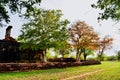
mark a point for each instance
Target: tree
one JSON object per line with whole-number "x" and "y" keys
{"x": 111, "y": 9}
{"x": 63, "y": 48}
{"x": 82, "y": 37}
{"x": 87, "y": 52}
{"x": 15, "y": 6}
{"x": 119, "y": 55}
{"x": 89, "y": 43}
{"x": 44, "y": 30}
{"x": 104, "y": 44}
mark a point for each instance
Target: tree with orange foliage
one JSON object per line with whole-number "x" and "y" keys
{"x": 82, "y": 37}
{"x": 89, "y": 43}
{"x": 104, "y": 44}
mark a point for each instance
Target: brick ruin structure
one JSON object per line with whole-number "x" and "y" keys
{"x": 8, "y": 34}
{"x": 10, "y": 51}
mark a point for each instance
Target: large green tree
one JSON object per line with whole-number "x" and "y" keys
{"x": 110, "y": 9}
{"x": 15, "y": 6}
{"x": 44, "y": 30}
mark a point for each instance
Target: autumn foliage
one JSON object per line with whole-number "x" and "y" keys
{"x": 104, "y": 44}
{"x": 83, "y": 37}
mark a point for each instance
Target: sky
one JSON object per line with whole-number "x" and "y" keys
{"x": 74, "y": 10}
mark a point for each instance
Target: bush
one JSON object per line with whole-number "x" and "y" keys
{"x": 111, "y": 58}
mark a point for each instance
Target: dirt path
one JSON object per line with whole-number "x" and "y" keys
{"x": 82, "y": 75}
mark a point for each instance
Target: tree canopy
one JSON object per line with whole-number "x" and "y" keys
{"x": 82, "y": 37}
{"x": 45, "y": 29}
{"x": 104, "y": 44}
{"x": 110, "y": 8}
{"x": 15, "y": 6}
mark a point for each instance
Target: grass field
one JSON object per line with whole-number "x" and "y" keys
{"x": 104, "y": 71}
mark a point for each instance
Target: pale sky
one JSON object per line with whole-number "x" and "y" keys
{"x": 74, "y": 10}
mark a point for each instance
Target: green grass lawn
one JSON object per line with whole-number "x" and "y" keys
{"x": 110, "y": 71}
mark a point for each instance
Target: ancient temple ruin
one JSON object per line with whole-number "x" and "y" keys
{"x": 10, "y": 51}
{"x": 8, "y": 34}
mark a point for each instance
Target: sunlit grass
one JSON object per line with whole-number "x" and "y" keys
{"x": 110, "y": 70}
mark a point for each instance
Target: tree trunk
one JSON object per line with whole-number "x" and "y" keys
{"x": 99, "y": 57}
{"x": 100, "y": 53}
{"x": 44, "y": 56}
{"x": 85, "y": 55}
{"x": 77, "y": 55}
